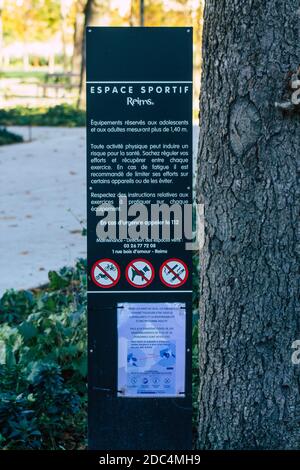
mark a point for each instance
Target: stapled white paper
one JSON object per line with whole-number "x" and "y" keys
{"x": 151, "y": 349}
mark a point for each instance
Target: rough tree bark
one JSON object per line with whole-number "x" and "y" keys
{"x": 248, "y": 154}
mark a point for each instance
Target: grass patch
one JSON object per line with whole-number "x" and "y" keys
{"x": 23, "y": 74}
{"x": 63, "y": 115}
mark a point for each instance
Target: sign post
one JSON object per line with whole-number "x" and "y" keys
{"x": 139, "y": 197}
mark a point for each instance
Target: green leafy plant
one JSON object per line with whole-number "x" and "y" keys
{"x": 19, "y": 427}
{"x": 7, "y": 137}
{"x": 43, "y": 364}
{"x": 15, "y": 306}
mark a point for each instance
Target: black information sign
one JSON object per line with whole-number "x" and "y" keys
{"x": 139, "y": 196}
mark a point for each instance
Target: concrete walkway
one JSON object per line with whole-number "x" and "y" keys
{"x": 42, "y": 201}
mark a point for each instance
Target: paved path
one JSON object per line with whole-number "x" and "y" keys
{"x": 42, "y": 200}
{"x": 40, "y": 182}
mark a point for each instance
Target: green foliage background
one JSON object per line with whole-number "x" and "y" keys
{"x": 60, "y": 115}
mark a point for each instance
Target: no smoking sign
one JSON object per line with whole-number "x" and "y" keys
{"x": 105, "y": 273}
{"x": 139, "y": 273}
{"x": 173, "y": 273}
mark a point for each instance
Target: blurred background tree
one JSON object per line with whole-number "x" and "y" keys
{"x": 42, "y": 59}
{"x": 30, "y": 20}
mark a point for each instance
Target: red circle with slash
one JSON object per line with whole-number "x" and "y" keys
{"x": 173, "y": 273}
{"x": 139, "y": 273}
{"x": 105, "y": 273}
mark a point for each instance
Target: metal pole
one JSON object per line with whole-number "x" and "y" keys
{"x": 142, "y": 12}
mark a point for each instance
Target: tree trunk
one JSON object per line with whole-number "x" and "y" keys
{"x": 93, "y": 12}
{"x": 77, "y": 40}
{"x": 64, "y": 44}
{"x": 249, "y": 312}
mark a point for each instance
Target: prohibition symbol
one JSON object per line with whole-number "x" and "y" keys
{"x": 139, "y": 273}
{"x": 105, "y": 273}
{"x": 173, "y": 272}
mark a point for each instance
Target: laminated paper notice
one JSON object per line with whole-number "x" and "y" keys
{"x": 151, "y": 349}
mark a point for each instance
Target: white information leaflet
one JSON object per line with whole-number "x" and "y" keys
{"x": 151, "y": 349}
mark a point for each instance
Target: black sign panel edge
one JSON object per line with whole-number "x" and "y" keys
{"x": 143, "y": 423}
